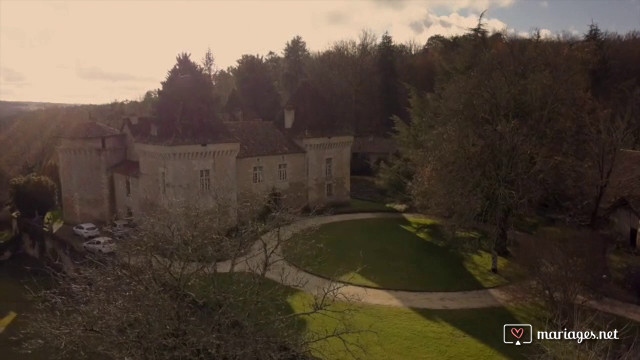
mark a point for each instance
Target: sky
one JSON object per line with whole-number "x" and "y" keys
{"x": 100, "y": 51}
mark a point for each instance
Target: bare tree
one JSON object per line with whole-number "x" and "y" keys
{"x": 608, "y": 130}
{"x": 164, "y": 297}
{"x": 566, "y": 267}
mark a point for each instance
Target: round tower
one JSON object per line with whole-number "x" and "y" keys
{"x": 86, "y": 152}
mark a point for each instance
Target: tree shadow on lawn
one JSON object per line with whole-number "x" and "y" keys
{"x": 393, "y": 254}
{"x": 465, "y": 329}
{"x": 411, "y": 255}
{"x": 251, "y": 296}
{"x": 484, "y": 325}
{"x": 447, "y": 257}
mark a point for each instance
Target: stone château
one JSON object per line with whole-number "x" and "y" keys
{"x": 107, "y": 173}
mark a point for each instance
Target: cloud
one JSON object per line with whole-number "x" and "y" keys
{"x": 391, "y": 4}
{"x": 452, "y": 5}
{"x": 4, "y": 92}
{"x": 546, "y": 34}
{"x": 95, "y": 73}
{"x": 544, "y": 4}
{"x": 337, "y": 18}
{"x": 100, "y": 69}
{"x": 452, "y": 24}
{"x": 11, "y": 76}
{"x": 417, "y": 27}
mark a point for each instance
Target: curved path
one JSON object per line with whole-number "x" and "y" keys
{"x": 279, "y": 270}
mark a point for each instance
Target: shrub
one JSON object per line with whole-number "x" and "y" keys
{"x": 33, "y": 194}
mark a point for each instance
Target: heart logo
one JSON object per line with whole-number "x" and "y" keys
{"x": 517, "y": 332}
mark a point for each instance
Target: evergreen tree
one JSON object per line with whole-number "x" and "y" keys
{"x": 389, "y": 84}
{"x": 208, "y": 64}
{"x": 185, "y": 102}
{"x": 256, "y": 88}
{"x": 295, "y": 56}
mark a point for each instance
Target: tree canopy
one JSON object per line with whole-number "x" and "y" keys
{"x": 33, "y": 194}
{"x": 295, "y": 56}
{"x": 256, "y": 87}
{"x": 185, "y": 101}
{"x": 505, "y": 130}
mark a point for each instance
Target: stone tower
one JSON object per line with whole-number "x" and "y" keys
{"x": 85, "y": 155}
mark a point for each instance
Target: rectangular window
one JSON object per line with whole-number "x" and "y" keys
{"x": 205, "y": 180}
{"x": 282, "y": 172}
{"x": 328, "y": 169}
{"x": 127, "y": 186}
{"x": 163, "y": 182}
{"x": 329, "y": 190}
{"x": 257, "y": 174}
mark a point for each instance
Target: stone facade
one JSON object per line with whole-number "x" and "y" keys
{"x": 328, "y": 169}
{"x": 107, "y": 173}
{"x": 283, "y": 176}
{"x": 86, "y": 182}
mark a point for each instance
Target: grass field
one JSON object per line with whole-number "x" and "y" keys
{"x": 382, "y": 332}
{"x": 393, "y": 254}
{"x": 397, "y": 333}
{"x": 357, "y": 205}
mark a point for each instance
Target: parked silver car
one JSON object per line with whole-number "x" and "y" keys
{"x": 86, "y": 230}
{"x": 100, "y": 245}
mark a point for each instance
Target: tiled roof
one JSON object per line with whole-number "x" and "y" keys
{"x": 127, "y": 167}
{"x": 89, "y": 129}
{"x": 141, "y": 129}
{"x": 139, "y": 126}
{"x": 374, "y": 144}
{"x": 624, "y": 182}
{"x": 259, "y": 138}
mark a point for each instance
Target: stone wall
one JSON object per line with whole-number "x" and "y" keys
{"x": 125, "y": 203}
{"x": 84, "y": 177}
{"x": 182, "y": 178}
{"x": 170, "y": 174}
{"x": 338, "y": 149}
{"x": 252, "y": 196}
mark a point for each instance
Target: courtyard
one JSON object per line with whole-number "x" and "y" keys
{"x": 393, "y": 253}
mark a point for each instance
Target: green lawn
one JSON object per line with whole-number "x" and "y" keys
{"x": 382, "y": 332}
{"x": 622, "y": 262}
{"x": 357, "y": 205}
{"x": 393, "y": 254}
{"x": 397, "y": 333}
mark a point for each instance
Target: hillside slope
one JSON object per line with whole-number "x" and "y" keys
{"x": 28, "y": 139}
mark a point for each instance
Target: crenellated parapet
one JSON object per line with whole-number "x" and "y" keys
{"x": 329, "y": 145}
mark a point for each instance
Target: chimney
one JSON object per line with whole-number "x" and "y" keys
{"x": 289, "y": 117}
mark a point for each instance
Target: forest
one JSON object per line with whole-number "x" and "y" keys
{"x": 493, "y": 131}
{"x": 575, "y": 96}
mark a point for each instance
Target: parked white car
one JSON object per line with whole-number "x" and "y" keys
{"x": 86, "y": 230}
{"x": 100, "y": 245}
